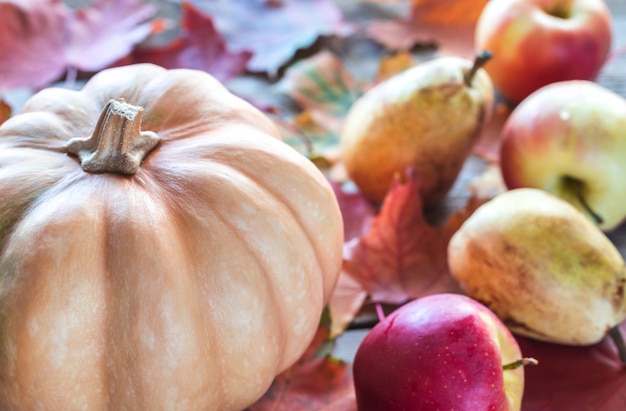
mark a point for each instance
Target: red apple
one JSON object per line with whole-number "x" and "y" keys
{"x": 538, "y": 42}
{"x": 440, "y": 352}
{"x": 568, "y": 139}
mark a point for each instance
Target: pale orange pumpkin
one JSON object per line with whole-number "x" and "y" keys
{"x": 177, "y": 268}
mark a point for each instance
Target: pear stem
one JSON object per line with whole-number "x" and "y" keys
{"x": 618, "y": 340}
{"x": 596, "y": 217}
{"x": 479, "y": 61}
{"x": 519, "y": 363}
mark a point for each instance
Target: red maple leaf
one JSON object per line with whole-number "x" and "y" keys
{"x": 402, "y": 256}
{"x": 199, "y": 47}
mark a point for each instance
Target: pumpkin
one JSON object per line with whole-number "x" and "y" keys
{"x": 160, "y": 247}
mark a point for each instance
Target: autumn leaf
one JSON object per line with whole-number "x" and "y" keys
{"x": 31, "y": 50}
{"x": 402, "y": 256}
{"x": 574, "y": 378}
{"x": 274, "y": 30}
{"x": 41, "y": 39}
{"x": 320, "y": 84}
{"x": 356, "y": 211}
{"x": 106, "y": 31}
{"x": 5, "y": 111}
{"x": 349, "y": 295}
{"x": 345, "y": 303}
{"x": 449, "y": 24}
{"x": 394, "y": 64}
{"x": 312, "y": 383}
{"x": 309, "y": 135}
{"x": 198, "y": 47}
{"x": 308, "y": 385}
{"x": 488, "y": 145}
{"x": 325, "y": 91}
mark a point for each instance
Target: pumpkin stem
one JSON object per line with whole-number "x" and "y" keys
{"x": 117, "y": 144}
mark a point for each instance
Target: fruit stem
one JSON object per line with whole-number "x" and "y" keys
{"x": 481, "y": 58}
{"x": 618, "y": 340}
{"x": 575, "y": 186}
{"x": 596, "y": 217}
{"x": 117, "y": 145}
{"x": 519, "y": 363}
{"x": 379, "y": 311}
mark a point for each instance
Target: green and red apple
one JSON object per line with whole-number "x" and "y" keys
{"x": 569, "y": 138}
{"x": 440, "y": 352}
{"x": 538, "y": 42}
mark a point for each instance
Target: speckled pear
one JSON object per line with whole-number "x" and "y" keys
{"x": 427, "y": 117}
{"x": 544, "y": 268}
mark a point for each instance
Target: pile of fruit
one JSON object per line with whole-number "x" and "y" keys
{"x": 162, "y": 248}
{"x": 535, "y": 260}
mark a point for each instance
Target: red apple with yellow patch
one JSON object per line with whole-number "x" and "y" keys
{"x": 538, "y": 42}
{"x": 440, "y": 352}
{"x": 568, "y": 138}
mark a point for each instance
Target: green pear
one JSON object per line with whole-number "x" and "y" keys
{"x": 427, "y": 117}
{"x": 542, "y": 266}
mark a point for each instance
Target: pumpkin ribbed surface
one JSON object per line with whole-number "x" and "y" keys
{"x": 187, "y": 285}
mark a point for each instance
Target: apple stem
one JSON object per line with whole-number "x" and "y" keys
{"x": 379, "y": 311}
{"x": 479, "y": 61}
{"x": 519, "y": 363}
{"x": 596, "y": 217}
{"x": 618, "y": 340}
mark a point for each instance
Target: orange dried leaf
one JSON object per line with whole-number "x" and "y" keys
{"x": 449, "y": 24}
{"x": 5, "y": 111}
{"x": 395, "y": 64}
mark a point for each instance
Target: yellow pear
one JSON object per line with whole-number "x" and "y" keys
{"x": 427, "y": 117}
{"x": 544, "y": 268}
